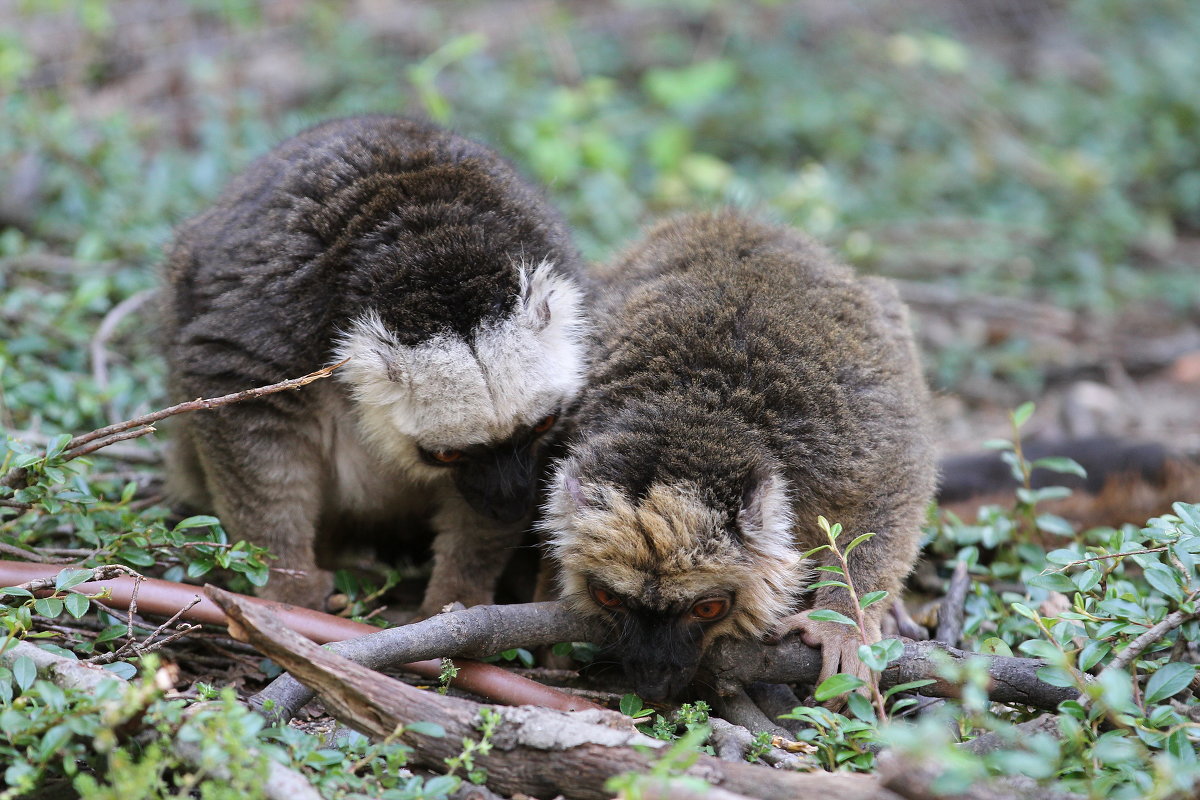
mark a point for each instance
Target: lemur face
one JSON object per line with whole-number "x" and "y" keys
{"x": 476, "y": 409}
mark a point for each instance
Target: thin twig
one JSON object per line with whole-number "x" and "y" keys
{"x": 92, "y": 447}
{"x": 203, "y": 404}
{"x": 1065, "y": 567}
{"x": 1139, "y": 645}
{"x": 98, "y": 347}
{"x": 952, "y": 609}
{"x": 141, "y": 425}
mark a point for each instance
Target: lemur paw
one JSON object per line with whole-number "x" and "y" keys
{"x": 839, "y": 648}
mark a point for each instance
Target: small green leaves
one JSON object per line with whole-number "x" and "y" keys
{"x": 829, "y": 615}
{"x": 430, "y": 729}
{"x": 870, "y": 598}
{"x": 69, "y": 578}
{"x": 24, "y": 672}
{"x": 878, "y": 655}
{"x": 836, "y": 686}
{"x": 1168, "y": 681}
{"x": 1022, "y": 414}
{"x": 632, "y": 706}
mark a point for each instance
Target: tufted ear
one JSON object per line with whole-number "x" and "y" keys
{"x": 766, "y": 508}
{"x": 544, "y": 293}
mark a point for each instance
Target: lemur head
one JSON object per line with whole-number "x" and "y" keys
{"x": 672, "y": 566}
{"x": 474, "y": 406}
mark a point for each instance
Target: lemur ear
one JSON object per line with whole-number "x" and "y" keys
{"x": 574, "y": 491}
{"x": 538, "y": 285}
{"x": 765, "y": 506}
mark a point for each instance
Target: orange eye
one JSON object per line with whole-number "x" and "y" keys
{"x": 605, "y": 598}
{"x": 446, "y": 456}
{"x": 711, "y": 609}
{"x": 546, "y": 423}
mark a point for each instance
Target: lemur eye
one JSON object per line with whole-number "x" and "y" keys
{"x": 446, "y": 456}
{"x": 710, "y": 610}
{"x": 605, "y": 598}
{"x": 545, "y": 423}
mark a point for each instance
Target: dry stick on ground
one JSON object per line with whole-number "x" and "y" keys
{"x": 164, "y": 598}
{"x": 729, "y": 664}
{"x": 97, "y": 348}
{"x": 535, "y": 751}
{"x": 281, "y": 784}
{"x": 140, "y": 426}
{"x": 952, "y": 611}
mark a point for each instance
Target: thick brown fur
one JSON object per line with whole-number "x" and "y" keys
{"x": 743, "y": 384}
{"x": 446, "y": 280}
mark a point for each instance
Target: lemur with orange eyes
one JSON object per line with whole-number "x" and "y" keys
{"x": 449, "y": 284}
{"x": 743, "y": 383}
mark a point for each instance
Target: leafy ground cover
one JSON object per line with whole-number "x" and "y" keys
{"x": 1043, "y": 152}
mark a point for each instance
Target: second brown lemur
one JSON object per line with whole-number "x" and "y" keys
{"x": 744, "y": 383}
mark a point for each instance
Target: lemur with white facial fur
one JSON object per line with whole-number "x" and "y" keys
{"x": 449, "y": 284}
{"x": 743, "y": 383}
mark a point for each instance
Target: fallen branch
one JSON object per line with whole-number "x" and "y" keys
{"x": 164, "y": 598}
{"x": 534, "y": 751}
{"x": 729, "y": 665}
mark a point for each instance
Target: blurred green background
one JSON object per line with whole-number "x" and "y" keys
{"x": 1030, "y": 169}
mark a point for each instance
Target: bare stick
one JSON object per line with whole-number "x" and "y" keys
{"x": 1139, "y": 645}
{"x": 139, "y": 426}
{"x": 203, "y": 405}
{"x": 98, "y": 347}
{"x": 952, "y": 610}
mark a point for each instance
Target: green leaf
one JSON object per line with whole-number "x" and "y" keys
{"x": 1025, "y": 611}
{"x": 870, "y": 599}
{"x": 430, "y": 729}
{"x": 53, "y": 741}
{"x": 995, "y": 646}
{"x": 631, "y": 705}
{"x": 1022, "y": 414}
{"x": 814, "y": 551}
{"x": 48, "y": 606}
{"x": 1040, "y": 648}
{"x": 861, "y": 707}
{"x": 856, "y": 542}
{"x": 1055, "y": 676}
{"x": 122, "y": 669}
{"x": 1066, "y": 466}
{"x": 1054, "y": 581}
{"x": 836, "y": 686}
{"x": 1164, "y": 580}
{"x": 71, "y": 577}
{"x": 829, "y": 615}
{"x": 1090, "y": 655}
{"x": 819, "y": 584}
{"x": 15, "y": 591}
{"x": 24, "y": 672}
{"x": 907, "y": 687}
{"x": 77, "y": 604}
{"x": 200, "y": 521}
{"x": 1168, "y": 681}
{"x": 56, "y": 445}
{"x": 1055, "y": 525}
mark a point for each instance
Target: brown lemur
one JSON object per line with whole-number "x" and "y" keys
{"x": 450, "y": 285}
{"x": 742, "y": 384}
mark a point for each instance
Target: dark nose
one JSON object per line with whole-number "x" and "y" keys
{"x": 657, "y": 682}
{"x": 499, "y": 486}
